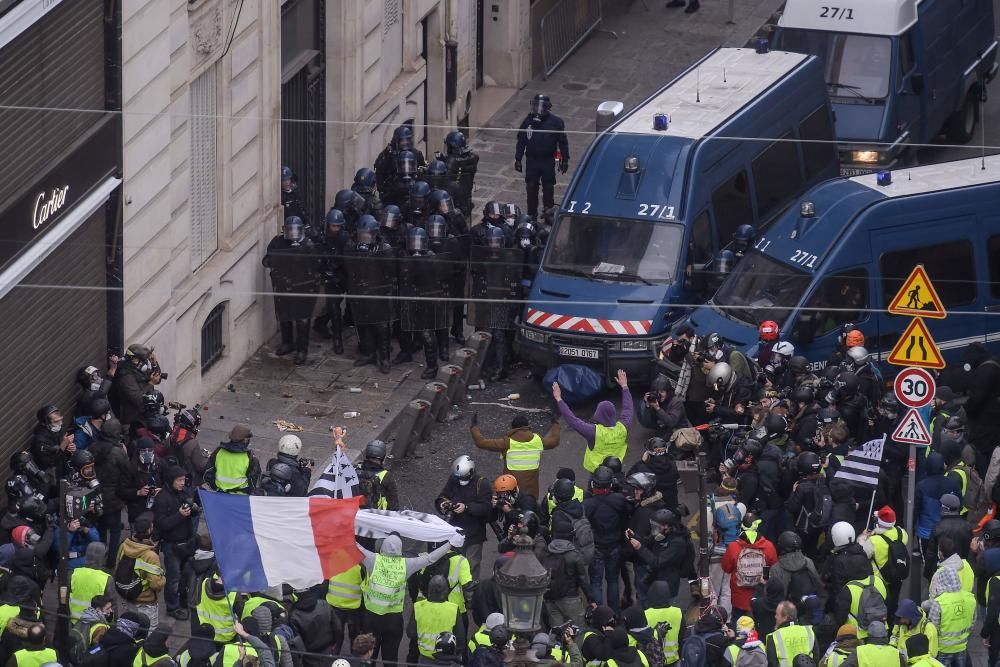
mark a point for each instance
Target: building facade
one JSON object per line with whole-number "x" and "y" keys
{"x": 201, "y": 97}
{"x": 60, "y": 262}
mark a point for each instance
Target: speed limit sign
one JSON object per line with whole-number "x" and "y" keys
{"x": 914, "y": 387}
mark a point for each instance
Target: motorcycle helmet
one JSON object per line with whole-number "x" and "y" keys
{"x": 644, "y": 481}
{"x": 842, "y": 534}
{"x": 612, "y": 463}
{"x": 789, "y": 542}
{"x": 290, "y": 445}
{"x": 375, "y": 450}
{"x": 808, "y": 464}
{"x": 562, "y": 490}
{"x": 464, "y": 468}
{"x": 602, "y": 478}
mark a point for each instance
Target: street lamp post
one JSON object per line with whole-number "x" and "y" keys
{"x": 522, "y": 582}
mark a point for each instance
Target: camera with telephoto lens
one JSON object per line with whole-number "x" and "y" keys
{"x": 558, "y": 631}
{"x": 506, "y": 498}
{"x": 174, "y": 405}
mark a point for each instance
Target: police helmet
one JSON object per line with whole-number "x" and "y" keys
{"x": 402, "y": 138}
{"x": 419, "y": 192}
{"x": 540, "y": 104}
{"x": 743, "y": 235}
{"x": 416, "y": 239}
{"x": 375, "y": 450}
{"x": 441, "y": 202}
{"x": 364, "y": 180}
{"x": 437, "y": 228}
{"x": 437, "y": 168}
{"x": 391, "y": 216}
{"x": 294, "y": 229}
{"x": 495, "y": 238}
{"x": 367, "y": 229}
{"x": 346, "y": 200}
{"x": 335, "y": 219}
{"x": 406, "y": 164}
{"x": 525, "y": 234}
{"x": 287, "y": 174}
{"x": 722, "y": 262}
{"x": 454, "y": 142}
{"x": 493, "y": 211}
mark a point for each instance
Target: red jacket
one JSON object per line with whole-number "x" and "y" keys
{"x": 741, "y": 595}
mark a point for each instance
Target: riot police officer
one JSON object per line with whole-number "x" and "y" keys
{"x": 352, "y": 205}
{"x": 386, "y": 163}
{"x": 294, "y": 265}
{"x": 365, "y": 185}
{"x": 448, "y": 250}
{"x": 391, "y": 228}
{"x": 542, "y": 138}
{"x": 463, "y": 162}
{"x": 525, "y": 238}
{"x": 422, "y": 286}
{"x": 496, "y": 281}
{"x": 335, "y": 244}
{"x": 291, "y": 200}
{"x": 371, "y": 272}
{"x": 396, "y": 189}
{"x": 492, "y": 217}
{"x": 742, "y": 240}
{"x": 417, "y": 202}
{"x": 437, "y": 176}
{"x": 442, "y": 203}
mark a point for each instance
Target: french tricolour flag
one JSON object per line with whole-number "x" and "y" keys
{"x": 261, "y": 542}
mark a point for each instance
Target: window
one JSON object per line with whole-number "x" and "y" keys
{"x": 993, "y": 252}
{"x": 731, "y": 203}
{"x": 204, "y": 167}
{"x": 770, "y": 289}
{"x": 212, "y": 343}
{"x": 839, "y": 299}
{"x": 950, "y": 267}
{"x": 905, "y": 55}
{"x": 776, "y": 175}
{"x": 818, "y": 157}
{"x": 856, "y": 66}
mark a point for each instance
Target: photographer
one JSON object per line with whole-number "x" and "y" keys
{"x": 465, "y": 503}
{"x": 174, "y": 514}
{"x": 129, "y": 383}
{"x": 662, "y": 410}
{"x": 289, "y": 447}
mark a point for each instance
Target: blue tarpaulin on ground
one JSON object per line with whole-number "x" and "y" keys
{"x": 578, "y": 383}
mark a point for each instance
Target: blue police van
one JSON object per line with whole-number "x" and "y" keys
{"x": 900, "y": 72}
{"x": 841, "y": 254}
{"x": 654, "y": 198}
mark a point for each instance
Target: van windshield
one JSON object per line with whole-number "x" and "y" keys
{"x": 762, "y": 289}
{"x": 629, "y": 251}
{"x": 856, "y": 66}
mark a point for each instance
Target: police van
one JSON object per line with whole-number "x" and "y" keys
{"x": 842, "y": 253}
{"x": 900, "y": 72}
{"x": 664, "y": 188}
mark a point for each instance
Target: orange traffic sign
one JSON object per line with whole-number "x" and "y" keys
{"x": 916, "y": 347}
{"x": 917, "y": 297}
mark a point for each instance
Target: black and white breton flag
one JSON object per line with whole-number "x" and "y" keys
{"x": 338, "y": 480}
{"x": 862, "y": 465}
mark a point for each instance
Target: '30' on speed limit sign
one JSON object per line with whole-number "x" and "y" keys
{"x": 914, "y": 387}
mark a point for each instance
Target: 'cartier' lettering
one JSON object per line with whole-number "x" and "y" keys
{"x": 47, "y": 204}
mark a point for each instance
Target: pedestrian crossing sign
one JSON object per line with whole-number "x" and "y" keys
{"x": 917, "y": 297}
{"x": 911, "y": 430}
{"x": 917, "y": 348}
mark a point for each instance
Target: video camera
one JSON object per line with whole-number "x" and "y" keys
{"x": 557, "y": 632}
{"x": 82, "y": 501}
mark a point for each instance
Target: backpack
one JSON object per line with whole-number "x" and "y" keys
{"x": 749, "y": 567}
{"x": 822, "y": 509}
{"x": 976, "y": 498}
{"x": 583, "y": 538}
{"x": 128, "y": 583}
{"x": 79, "y": 642}
{"x": 871, "y": 604}
{"x": 748, "y": 657}
{"x": 897, "y": 564}
{"x": 693, "y": 652}
{"x": 802, "y": 591}
{"x": 370, "y": 486}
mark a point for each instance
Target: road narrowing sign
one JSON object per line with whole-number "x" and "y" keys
{"x": 916, "y": 347}
{"x": 912, "y": 430}
{"x": 914, "y": 387}
{"x": 917, "y": 297}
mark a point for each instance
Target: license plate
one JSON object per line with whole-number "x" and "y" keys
{"x": 855, "y": 171}
{"x": 579, "y": 353}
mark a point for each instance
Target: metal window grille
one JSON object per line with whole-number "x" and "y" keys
{"x": 204, "y": 167}
{"x": 212, "y": 343}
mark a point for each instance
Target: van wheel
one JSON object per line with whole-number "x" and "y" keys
{"x": 962, "y": 125}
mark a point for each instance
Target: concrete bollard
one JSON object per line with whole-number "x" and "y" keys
{"x": 410, "y": 427}
{"x": 451, "y": 375}
{"x": 467, "y": 358}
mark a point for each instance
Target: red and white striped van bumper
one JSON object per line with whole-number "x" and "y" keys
{"x": 588, "y": 325}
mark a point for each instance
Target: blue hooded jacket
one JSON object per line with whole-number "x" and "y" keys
{"x": 929, "y": 492}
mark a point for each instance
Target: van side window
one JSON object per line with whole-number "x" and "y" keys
{"x": 776, "y": 175}
{"x": 993, "y": 250}
{"x": 817, "y": 157}
{"x": 701, "y": 240}
{"x": 906, "y": 60}
{"x": 731, "y": 203}
{"x": 950, "y": 267}
{"x": 839, "y": 299}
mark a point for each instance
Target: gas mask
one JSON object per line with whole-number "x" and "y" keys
{"x": 525, "y": 243}
{"x": 146, "y": 367}
{"x": 89, "y": 476}
{"x": 146, "y": 457}
{"x": 32, "y": 538}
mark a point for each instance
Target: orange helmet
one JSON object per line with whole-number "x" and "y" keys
{"x": 769, "y": 330}
{"x": 854, "y": 338}
{"x": 504, "y": 483}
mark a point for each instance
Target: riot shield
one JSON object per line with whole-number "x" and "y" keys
{"x": 421, "y": 292}
{"x": 371, "y": 275}
{"x": 496, "y": 277}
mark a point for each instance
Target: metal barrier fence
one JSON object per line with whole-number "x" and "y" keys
{"x": 565, "y": 27}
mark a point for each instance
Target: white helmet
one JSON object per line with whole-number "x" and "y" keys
{"x": 842, "y": 534}
{"x": 859, "y": 354}
{"x": 463, "y": 467}
{"x": 784, "y": 348}
{"x": 290, "y": 445}
{"x": 340, "y": 662}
